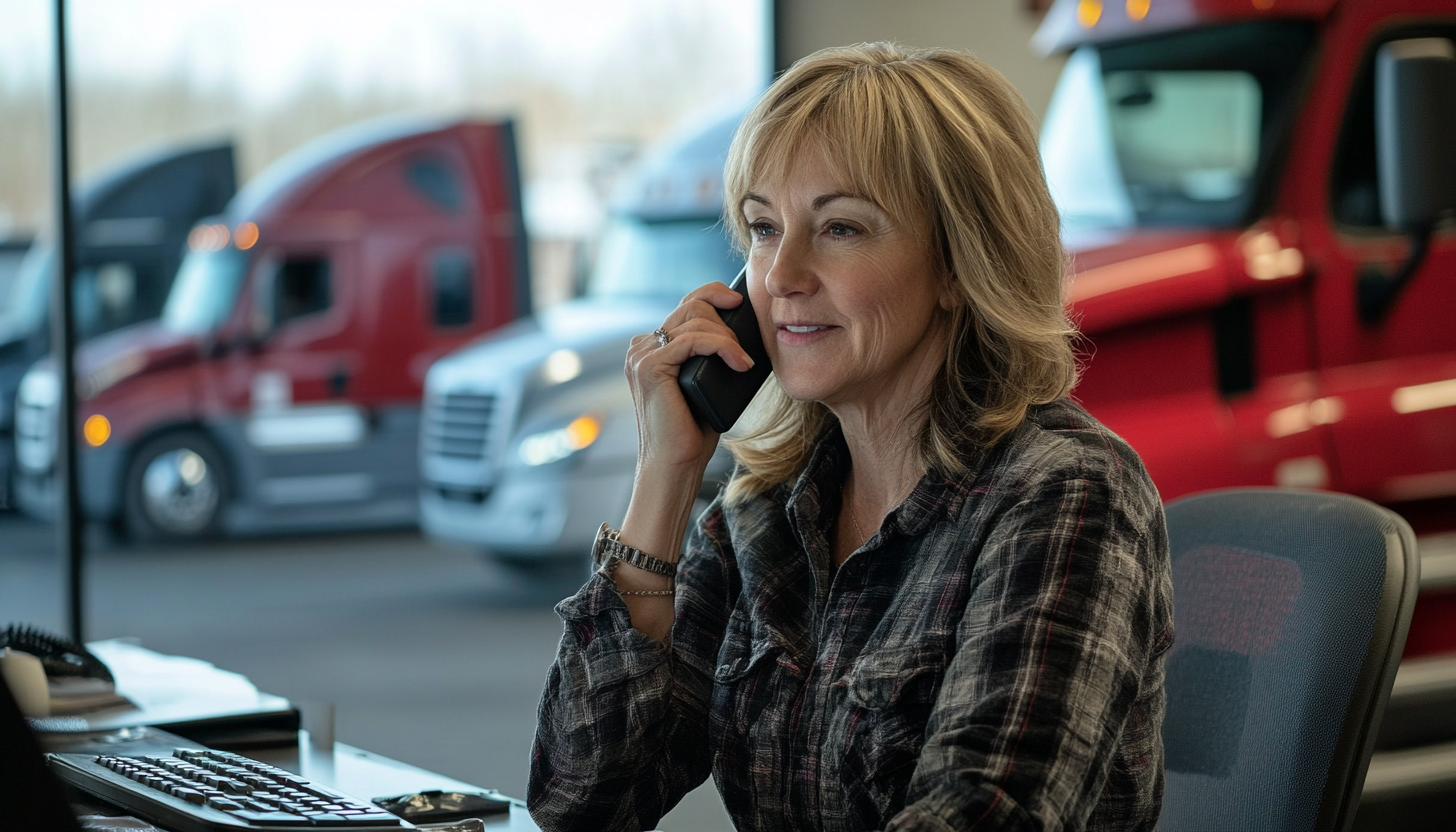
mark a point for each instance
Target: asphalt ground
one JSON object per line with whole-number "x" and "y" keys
{"x": 429, "y": 654}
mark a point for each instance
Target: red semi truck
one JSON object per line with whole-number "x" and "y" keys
{"x": 1237, "y": 273}
{"x": 281, "y": 387}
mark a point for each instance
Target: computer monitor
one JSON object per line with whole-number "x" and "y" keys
{"x": 31, "y": 800}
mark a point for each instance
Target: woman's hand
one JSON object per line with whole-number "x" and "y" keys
{"x": 672, "y": 448}
{"x": 668, "y": 438}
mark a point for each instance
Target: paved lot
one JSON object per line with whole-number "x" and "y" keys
{"x": 429, "y": 654}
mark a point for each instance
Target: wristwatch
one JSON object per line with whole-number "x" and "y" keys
{"x": 609, "y": 546}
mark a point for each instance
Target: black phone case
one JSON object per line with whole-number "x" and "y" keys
{"x": 716, "y": 393}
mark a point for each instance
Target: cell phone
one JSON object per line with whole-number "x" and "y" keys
{"x": 716, "y": 393}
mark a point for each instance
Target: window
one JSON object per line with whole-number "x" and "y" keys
{"x": 664, "y": 259}
{"x": 452, "y": 279}
{"x": 433, "y": 177}
{"x": 301, "y": 287}
{"x": 204, "y": 290}
{"x": 1184, "y": 137}
{"x": 1173, "y": 129}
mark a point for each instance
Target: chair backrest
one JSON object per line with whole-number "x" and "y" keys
{"x": 31, "y": 799}
{"x": 1290, "y": 610}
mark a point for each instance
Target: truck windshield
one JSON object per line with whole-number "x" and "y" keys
{"x": 26, "y": 304}
{"x": 656, "y": 259}
{"x": 204, "y": 291}
{"x": 1171, "y": 130}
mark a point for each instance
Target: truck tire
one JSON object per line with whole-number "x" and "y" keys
{"x": 176, "y": 488}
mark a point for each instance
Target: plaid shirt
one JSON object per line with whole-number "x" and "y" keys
{"x": 992, "y": 658}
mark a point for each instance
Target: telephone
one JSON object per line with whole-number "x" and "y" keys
{"x": 716, "y": 393}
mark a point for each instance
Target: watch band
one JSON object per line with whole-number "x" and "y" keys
{"x": 609, "y": 546}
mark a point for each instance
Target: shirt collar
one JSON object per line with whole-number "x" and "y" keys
{"x": 936, "y": 496}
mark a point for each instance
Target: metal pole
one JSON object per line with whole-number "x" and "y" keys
{"x": 70, "y": 532}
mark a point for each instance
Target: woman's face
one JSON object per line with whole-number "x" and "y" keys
{"x": 845, "y": 293}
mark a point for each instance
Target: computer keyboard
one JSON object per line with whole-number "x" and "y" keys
{"x": 218, "y": 791}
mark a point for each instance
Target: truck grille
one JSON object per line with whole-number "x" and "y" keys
{"x": 457, "y": 425}
{"x": 35, "y": 447}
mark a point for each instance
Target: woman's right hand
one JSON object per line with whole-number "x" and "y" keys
{"x": 668, "y": 438}
{"x": 672, "y": 448}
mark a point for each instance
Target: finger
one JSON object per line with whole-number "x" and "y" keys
{"x": 716, "y": 294}
{"x": 687, "y": 341}
{"x": 704, "y": 302}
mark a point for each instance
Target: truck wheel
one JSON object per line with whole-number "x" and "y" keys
{"x": 176, "y": 488}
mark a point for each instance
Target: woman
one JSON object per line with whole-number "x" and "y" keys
{"x": 935, "y": 594}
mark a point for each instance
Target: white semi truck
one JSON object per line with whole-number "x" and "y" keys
{"x": 528, "y": 437}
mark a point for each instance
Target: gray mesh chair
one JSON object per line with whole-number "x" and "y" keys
{"x": 1291, "y": 610}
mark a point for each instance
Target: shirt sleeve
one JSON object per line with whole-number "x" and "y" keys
{"x": 622, "y": 727}
{"x": 1056, "y": 684}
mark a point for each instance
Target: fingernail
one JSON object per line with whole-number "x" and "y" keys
{"x": 751, "y": 362}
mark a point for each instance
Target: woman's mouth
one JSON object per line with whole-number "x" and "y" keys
{"x": 801, "y": 334}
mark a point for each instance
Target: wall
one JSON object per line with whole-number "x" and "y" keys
{"x": 996, "y": 31}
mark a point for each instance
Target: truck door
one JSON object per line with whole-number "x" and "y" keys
{"x": 1391, "y": 375}
{"x": 303, "y": 422}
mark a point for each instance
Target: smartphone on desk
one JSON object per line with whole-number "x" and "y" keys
{"x": 716, "y": 393}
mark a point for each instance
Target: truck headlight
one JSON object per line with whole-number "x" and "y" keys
{"x": 561, "y": 366}
{"x": 551, "y": 446}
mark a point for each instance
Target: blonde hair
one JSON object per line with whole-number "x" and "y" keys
{"x": 939, "y": 136}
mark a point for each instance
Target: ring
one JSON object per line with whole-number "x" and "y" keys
{"x": 661, "y": 335}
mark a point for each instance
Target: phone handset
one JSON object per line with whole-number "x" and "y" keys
{"x": 716, "y": 393}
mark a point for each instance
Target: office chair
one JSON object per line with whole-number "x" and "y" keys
{"x": 1290, "y": 610}
{"x": 31, "y": 799}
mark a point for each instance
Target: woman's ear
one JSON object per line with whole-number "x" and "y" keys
{"x": 951, "y": 296}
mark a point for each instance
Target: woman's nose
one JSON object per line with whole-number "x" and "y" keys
{"x": 791, "y": 272}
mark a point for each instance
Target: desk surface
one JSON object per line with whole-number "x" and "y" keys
{"x": 172, "y": 690}
{"x": 351, "y": 770}
{"x": 367, "y": 775}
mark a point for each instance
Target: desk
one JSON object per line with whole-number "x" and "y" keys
{"x": 151, "y": 680}
{"x": 354, "y": 771}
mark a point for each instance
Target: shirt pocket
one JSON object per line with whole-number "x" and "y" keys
{"x": 745, "y": 683}
{"x": 889, "y": 695}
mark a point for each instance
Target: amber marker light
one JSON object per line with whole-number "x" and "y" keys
{"x": 1089, "y": 12}
{"x": 1138, "y": 9}
{"x": 96, "y": 430}
{"x": 583, "y": 431}
{"x": 1263, "y": 5}
{"x": 245, "y": 235}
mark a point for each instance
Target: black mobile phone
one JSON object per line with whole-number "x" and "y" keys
{"x": 716, "y": 393}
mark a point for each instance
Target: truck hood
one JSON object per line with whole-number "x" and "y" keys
{"x": 597, "y": 330}
{"x": 103, "y": 361}
{"x": 1119, "y": 279}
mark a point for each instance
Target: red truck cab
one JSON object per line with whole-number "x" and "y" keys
{"x": 280, "y": 389}
{"x": 1234, "y": 274}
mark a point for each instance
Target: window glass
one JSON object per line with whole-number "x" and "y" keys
{"x": 435, "y": 178}
{"x": 204, "y": 291}
{"x": 1171, "y": 130}
{"x": 452, "y": 279}
{"x": 668, "y": 258}
{"x": 27, "y": 302}
{"x": 300, "y": 288}
{"x": 1184, "y": 137}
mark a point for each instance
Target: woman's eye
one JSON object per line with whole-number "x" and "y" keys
{"x": 759, "y": 230}
{"x": 839, "y": 229}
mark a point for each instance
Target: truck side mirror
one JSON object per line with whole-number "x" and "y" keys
{"x": 1415, "y": 119}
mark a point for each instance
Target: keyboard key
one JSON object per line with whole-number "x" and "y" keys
{"x": 190, "y": 795}
{"x": 270, "y": 818}
{"x": 224, "y": 803}
{"x": 375, "y": 818}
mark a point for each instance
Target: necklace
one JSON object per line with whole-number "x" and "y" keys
{"x": 855, "y": 520}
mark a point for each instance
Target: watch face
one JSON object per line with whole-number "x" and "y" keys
{"x": 598, "y": 556}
